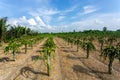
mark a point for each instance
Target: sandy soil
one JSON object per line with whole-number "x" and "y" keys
{"x": 116, "y": 64}
{"x": 10, "y": 69}
{"x": 67, "y": 65}
{"x": 72, "y": 69}
{"x": 36, "y": 70}
{"x": 27, "y": 68}
{"x": 95, "y": 66}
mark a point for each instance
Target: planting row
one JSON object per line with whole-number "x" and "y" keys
{"x": 48, "y": 53}
{"x": 109, "y": 44}
{"x": 27, "y": 41}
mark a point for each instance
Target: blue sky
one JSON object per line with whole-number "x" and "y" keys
{"x": 62, "y": 15}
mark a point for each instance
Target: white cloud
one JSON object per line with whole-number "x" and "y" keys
{"x": 89, "y": 9}
{"x": 43, "y": 12}
{"x": 70, "y": 9}
{"x": 16, "y": 21}
{"x": 49, "y": 27}
{"x": 49, "y": 12}
{"x": 22, "y": 20}
{"x": 13, "y": 22}
{"x": 98, "y": 21}
{"x": 47, "y": 19}
{"x": 42, "y": 17}
{"x": 61, "y": 18}
{"x": 40, "y": 21}
{"x": 35, "y": 23}
{"x": 32, "y": 22}
{"x": 111, "y": 21}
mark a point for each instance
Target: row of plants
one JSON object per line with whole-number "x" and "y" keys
{"x": 109, "y": 43}
{"x": 26, "y": 41}
{"x": 19, "y": 36}
{"x": 48, "y": 53}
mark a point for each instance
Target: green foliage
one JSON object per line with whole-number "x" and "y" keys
{"x": 78, "y": 43}
{"x": 111, "y": 53}
{"x": 26, "y": 42}
{"x": 48, "y": 52}
{"x": 14, "y": 47}
{"x": 104, "y": 29}
{"x": 118, "y": 45}
{"x": 3, "y": 28}
{"x": 89, "y": 45}
{"x": 49, "y": 49}
{"x": 111, "y": 39}
{"x": 15, "y": 44}
{"x": 102, "y": 41}
{"x": 19, "y": 31}
{"x": 50, "y": 43}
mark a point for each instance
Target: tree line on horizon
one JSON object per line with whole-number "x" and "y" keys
{"x": 8, "y": 31}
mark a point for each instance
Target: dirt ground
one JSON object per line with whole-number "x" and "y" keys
{"x": 93, "y": 66}
{"x": 67, "y": 65}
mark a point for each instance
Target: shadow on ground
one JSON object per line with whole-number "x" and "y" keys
{"x": 19, "y": 52}
{"x": 38, "y": 51}
{"x": 68, "y": 50}
{"x": 78, "y": 68}
{"x": 5, "y": 59}
{"x": 36, "y": 57}
{"x": 72, "y": 57}
{"x": 99, "y": 74}
{"x": 41, "y": 47}
{"x": 25, "y": 71}
{"x": 65, "y": 47}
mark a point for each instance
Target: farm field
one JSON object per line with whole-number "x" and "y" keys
{"x": 59, "y": 39}
{"x": 69, "y": 64}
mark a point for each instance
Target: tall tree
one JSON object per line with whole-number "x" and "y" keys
{"x": 3, "y": 28}
{"x": 104, "y": 29}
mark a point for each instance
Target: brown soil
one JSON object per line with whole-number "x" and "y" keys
{"x": 93, "y": 64}
{"x": 10, "y": 69}
{"x": 67, "y": 65}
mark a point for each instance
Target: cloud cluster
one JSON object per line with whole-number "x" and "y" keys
{"x": 89, "y": 9}
{"x": 60, "y": 18}
{"x": 98, "y": 21}
{"x": 44, "y": 17}
{"x": 35, "y": 23}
